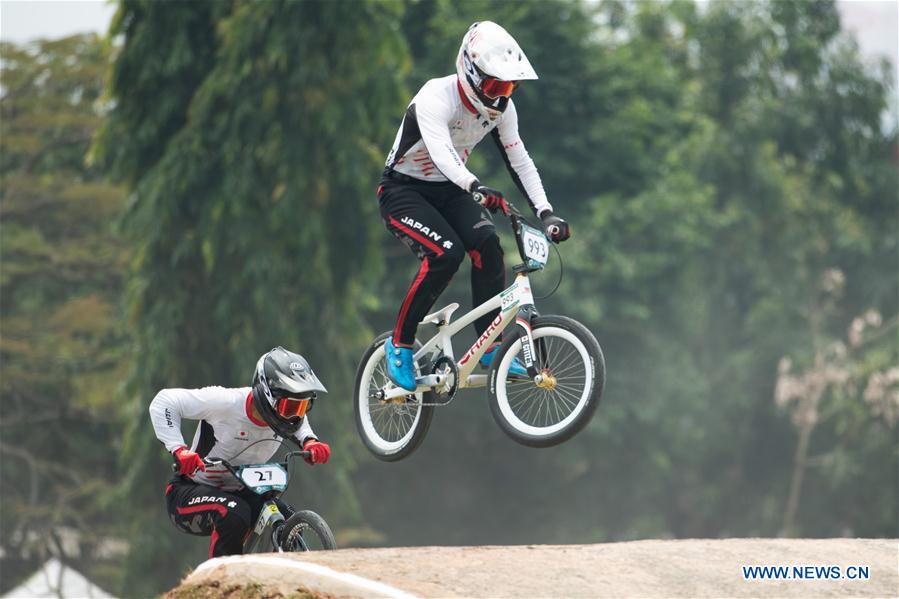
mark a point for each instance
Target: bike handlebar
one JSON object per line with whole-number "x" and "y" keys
{"x": 230, "y": 468}
{"x": 481, "y": 198}
{"x": 514, "y": 213}
{"x": 287, "y": 456}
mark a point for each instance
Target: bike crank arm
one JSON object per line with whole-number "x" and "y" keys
{"x": 424, "y": 383}
{"x": 473, "y": 381}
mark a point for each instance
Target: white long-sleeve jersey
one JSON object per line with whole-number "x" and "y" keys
{"x": 440, "y": 130}
{"x": 227, "y": 430}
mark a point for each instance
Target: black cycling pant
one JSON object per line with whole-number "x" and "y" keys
{"x": 227, "y": 516}
{"x": 440, "y": 223}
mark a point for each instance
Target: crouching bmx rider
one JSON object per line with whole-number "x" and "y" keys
{"x": 241, "y": 426}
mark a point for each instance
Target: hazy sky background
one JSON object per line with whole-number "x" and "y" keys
{"x": 25, "y": 20}
{"x": 875, "y": 23}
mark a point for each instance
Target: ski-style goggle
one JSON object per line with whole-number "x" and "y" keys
{"x": 288, "y": 407}
{"x": 496, "y": 88}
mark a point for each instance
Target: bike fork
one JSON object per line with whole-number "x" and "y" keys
{"x": 525, "y": 316}
{"x": 271, "y": 516}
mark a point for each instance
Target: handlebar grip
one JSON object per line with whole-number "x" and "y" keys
{"x": 206, "y": 462}
{"x": 479, "y": 197}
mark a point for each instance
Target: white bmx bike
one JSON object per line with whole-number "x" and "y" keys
{"x": 554, "y": 401}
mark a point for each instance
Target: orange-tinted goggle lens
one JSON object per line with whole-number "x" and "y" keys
{"x": 289, "y": 408}
{"x": 494, "y": 88}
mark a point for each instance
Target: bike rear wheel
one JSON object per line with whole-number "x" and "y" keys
{"x": 307, "y": 531}
{"x": 390, "y": 429}
{"x": 570, "y": 359}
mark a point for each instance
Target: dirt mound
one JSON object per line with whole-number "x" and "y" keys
{"x": 684, "y": 568}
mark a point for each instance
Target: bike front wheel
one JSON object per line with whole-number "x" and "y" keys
{"x": 394, "y": 428}
{"x": 307, "y": 531}
{"x": 569, "y": 359}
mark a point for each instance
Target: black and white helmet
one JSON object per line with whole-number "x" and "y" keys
{"x": 284, "y": 387}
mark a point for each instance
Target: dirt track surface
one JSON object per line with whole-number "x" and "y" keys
{"x": 684, "y": 568}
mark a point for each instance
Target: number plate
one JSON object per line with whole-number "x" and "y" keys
{"x": 267, "y": 476}
{"x": 536, "y": 245}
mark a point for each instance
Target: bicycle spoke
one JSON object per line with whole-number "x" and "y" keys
{"x": 536, "y": 407}
{"x": 521, "y": 399}
{"x": 391, "y": 426}
{"x": 391, "y": 421}
{"x": 567, "y": 362}
{"x": 546, "y": 407}
{"x": 528, "y": 405}
{"x": 575, "y": 390}
{"x": 568, "y": 397}
{"x": 552, "y": 410}
{"x": 394, "y": 433}
{"x": 381, "y": 418}
{"x": 575, "y": 370}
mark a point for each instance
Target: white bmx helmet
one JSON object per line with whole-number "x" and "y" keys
{"x": 490, "y": 65}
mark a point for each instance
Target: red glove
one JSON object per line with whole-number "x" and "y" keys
{"x": 320, "y": 451}
{"x": 188, "y": 461}
{"x": 490, "y": 199}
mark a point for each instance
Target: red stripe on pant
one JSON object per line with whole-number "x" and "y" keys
{"x": 422, "y": 272}
{"x": 204, "y": 506}
{"x": 212, "y": 542}
{"x": 222, "y": 510}
{"x": 417, "y": 236}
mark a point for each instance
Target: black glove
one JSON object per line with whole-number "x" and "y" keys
{"x": 556, "y": 228}
{"x": 490, "y": 199}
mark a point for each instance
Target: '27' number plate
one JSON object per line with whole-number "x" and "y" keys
{"x": 263, "y": 476}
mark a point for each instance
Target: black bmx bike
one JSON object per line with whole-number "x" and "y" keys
{"x": 300, "y": 530}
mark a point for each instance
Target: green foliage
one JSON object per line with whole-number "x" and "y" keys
{"x": 717, "y": 162}
{"x": 710, "y": 275}
{"x": 63, "y": 345}
{"x": 254, "y": 225}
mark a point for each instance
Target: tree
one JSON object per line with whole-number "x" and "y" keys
{"x": 715, "y": 161}
{"x": 725, "y": 248}
{"x": 64, "y": 346}
{"x": 254, "y": 224}
{"x": 687, "y": 147}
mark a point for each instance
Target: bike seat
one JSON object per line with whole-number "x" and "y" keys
{"x": 441, "y": 316}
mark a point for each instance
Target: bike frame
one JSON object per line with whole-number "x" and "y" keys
{"x": 270, "y": 514}
{"x": 515, "y": 303}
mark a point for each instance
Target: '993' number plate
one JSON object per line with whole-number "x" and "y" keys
{"x": 535, "y": 245}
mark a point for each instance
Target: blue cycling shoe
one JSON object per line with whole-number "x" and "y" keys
{"x": 399, "y": 365}
{"x": 517, "y": 368}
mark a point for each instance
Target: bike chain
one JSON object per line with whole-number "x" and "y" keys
{"x": 450, "y": 395}
{"x": 445, "y": 398}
